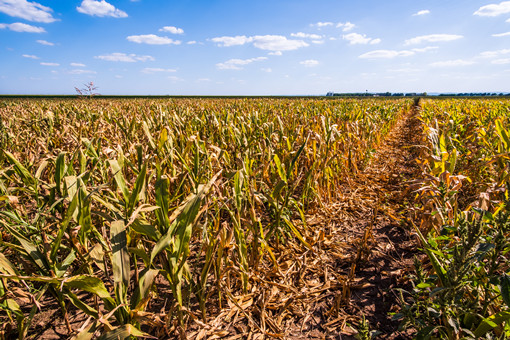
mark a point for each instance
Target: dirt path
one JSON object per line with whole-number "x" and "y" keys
{"x": 367, "y": 226}
{"x": 390, "y": 248}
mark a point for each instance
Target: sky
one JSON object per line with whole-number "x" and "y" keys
{"x": 261, "y": 47}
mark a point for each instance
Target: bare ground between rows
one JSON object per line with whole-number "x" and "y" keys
{"x": 361, "y": 251}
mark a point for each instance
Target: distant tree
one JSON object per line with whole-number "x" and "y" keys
{"x": 89, "y": 90}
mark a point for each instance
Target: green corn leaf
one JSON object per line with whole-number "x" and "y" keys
{"x": 296, "y": 233}
{"x": 147, "y": 277}
{"x": 62, "y": 268}
{"x": 82, "y": 305}
{"x": 59, "y": 171}
{"x": 87, "y": 333}
{"x": 119, "y": 178}
{"x": 491, "y": 322}
{"x": 505, "y": 288}
{"x": 120, "y": 259}
{"x": 22, "y": 172}
{"x": 6, "y": 266}
{"x": 137, "y": 189}
{"x": 280, "y": 169}
{"x": 31, "y": 250}
{"x": 125, "y": 332}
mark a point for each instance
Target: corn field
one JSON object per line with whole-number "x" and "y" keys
{"x": 104, "y": 204}
{"x": 169, "y": 218}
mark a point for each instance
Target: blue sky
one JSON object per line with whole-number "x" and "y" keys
{"x": 279, "y": 47}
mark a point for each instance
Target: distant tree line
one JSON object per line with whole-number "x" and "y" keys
{"x": 414, "y": 94}
{"x": 472, "y": 94}
{"x": 375, "y": 94}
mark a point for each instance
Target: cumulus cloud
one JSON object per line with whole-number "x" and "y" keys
{"x": 277, "y": 53}
{"x": 100, "y": 9}
{"x": 494, "y": 54}
{"x": 432, "y": 38}
{"x": 346, "y": 26}
{"x": 191, "y": 42}
{"x": 150, "y": 70}
{"x": 309, "y": 63}
{"x": 232, "y": 41}
{"x": 356, "y": 38}
{"x": 31, "y": 11}
{"x": 50, "y": 64}
{"x": 80, "y": 71}
{"x": 425, "y": 49}
{"x": 493, "y": 10}
{"x": 152, "y": 39}
{"x": 322, "y": 24}
{"x": 306, "y": 36}
{"x": 44, "y": 42}
{"x": 452, "y": 63}
{"x": 263, "y": 42}
{"x": 501, "y": 34}
{"x": 386, "y": 54}
{"x": 277, "y": 43}
{"x": 123, "y": 57}
{"x": 30, "y": 56}
{"x": 21, "y": 27}
{"x": 422, "y": 12}
{"x": 172, "y": 29}
{"x": 77, "y": 65}
{"x": 236, "y": 64}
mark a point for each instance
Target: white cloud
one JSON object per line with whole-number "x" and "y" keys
{"x": 432, "y": 38}
{"x": 346, "y": 27}
{"x": 20, "y": 27}
{"x": 277, "y": 53}
{"x": 425, "y": 49}
{"x": 494, "y": 54}
{"x": 386, "y": 54}
{"x": 493, "y": 10}
{"x": 277, "y": 43}
{"x": 309, "y": 63}
{"x": 31, "y": 11}
{"x": 79, "y": 71}
{"x": 501, "y": 34}
{"x": 172, "y": 29}
{"x": 263, "y": 42}
{"x": 123, "y": 57}
{"x": 267, "y": 69}
{"x": 452, "y": 63}
{"x": 31, "y": 56}
{"x": 152, "y": 39}
{"x": 44, "y": 42}
{"x": 322, "y": 24}
{"x": 306, "y": 35}
{"x": 50, "y": 64}
{"x": 150, "y": 70}
{"x": 501, "y": 61}
{"x": 356, "y": 38}
{"x": 78, "y": 65}
{"x": 191, "y": 42}
{"x": 100, "y": 9}
{"x": 422, "y": 12}
{"x": 507, "y": 20}
{"x": 232, "y": 41}
{"x": 317, "y": 42}
{"x": 235, "y": 64}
